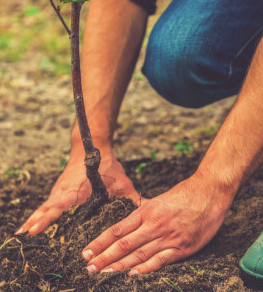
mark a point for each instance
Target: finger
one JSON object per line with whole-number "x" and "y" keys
{"x": 157, "y": 261}
{"x": 112, "y": 234}
{"x": 41, "y": 212}
{"x": 120, "y": 249}
{"x": 30, "y": 221}
{"x": 138, "y": 256}
{"x": 45, "y": 221}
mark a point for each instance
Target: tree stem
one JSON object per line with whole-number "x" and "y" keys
{"x": 60, "y": 17}
{"x": 92, "y": 154}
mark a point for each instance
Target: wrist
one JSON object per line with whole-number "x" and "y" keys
{"x": 102, "y": 143}
{"x": 221, "y": 189}
{"x": 77, "y": 150}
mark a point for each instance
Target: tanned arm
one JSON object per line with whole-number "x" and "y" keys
{"x": 112, "y": 40}
{"x": 237, "y": 150}
{"x": 180, "y": 222}
{"x": 113, "y": 37}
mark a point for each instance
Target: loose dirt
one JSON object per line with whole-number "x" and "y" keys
{"x": 52, "y": 261}
{"x": 36, "y": 115}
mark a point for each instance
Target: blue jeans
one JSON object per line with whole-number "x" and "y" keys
{"x": 199, "y": 50}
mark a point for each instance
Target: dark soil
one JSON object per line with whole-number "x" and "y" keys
{"x": 52, "y": 261}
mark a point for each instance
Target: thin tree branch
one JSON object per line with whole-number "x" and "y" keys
{"x": 60, "y": 17}
{"x": 92, "y": 157}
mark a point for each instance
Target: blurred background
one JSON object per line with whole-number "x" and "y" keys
{"x": 36, "y": 103}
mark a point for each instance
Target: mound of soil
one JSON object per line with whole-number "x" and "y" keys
{"x": 52, "y": 261}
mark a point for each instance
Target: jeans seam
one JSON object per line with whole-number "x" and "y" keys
{"x": 230, "y": 70}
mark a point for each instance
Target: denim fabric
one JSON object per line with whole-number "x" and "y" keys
{"x": 148, "y": 5}
{"x": 199, "y": 50}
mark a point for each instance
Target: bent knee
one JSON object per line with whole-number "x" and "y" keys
{"x": 184, "y": 73}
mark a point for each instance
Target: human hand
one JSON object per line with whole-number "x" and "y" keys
{"x": 73, "y": 187}
{"x": 165, "y": 229}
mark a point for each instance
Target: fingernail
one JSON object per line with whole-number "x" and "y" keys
{"x": 133, "y": 272}
{"x": 33, "y": 229}
{"x": 88, "y": 254}
{"x": 20, "y": 231}
{"x": 109, "y": 270}
{"x": 91, "y": 269}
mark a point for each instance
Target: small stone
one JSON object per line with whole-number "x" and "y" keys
{"x": 15, "y": 201}
{"x": 3, "y": 116}
{"x": 65, "y": 123}
{"x": 19, "y": 132}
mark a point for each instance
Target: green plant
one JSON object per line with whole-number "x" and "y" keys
{"x": 200, "y": 273}
{"x": 172, "y": 284}
{"x": 31, "y": 10}
{"x": 153, "y": 154}
{"x": 56, "y": 275}
{"x": 140, "y": 168}
{"x": 138, "y": 76}
{"x": 183, "y": 147}
{"x": 154, "y": 129}
{"x": 182, "y": 126}
{"x": 72, "y": 106}
{"x": 13, "y": 172}
{"x": 210, "y": 131}
{"x": 63, "y": 162}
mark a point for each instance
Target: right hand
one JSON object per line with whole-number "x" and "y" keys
{"x": 73, "y": 187}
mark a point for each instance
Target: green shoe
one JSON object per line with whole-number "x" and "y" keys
{"x": 252, "y": 264}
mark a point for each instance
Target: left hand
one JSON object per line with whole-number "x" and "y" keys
{"x": 165, "y": 229}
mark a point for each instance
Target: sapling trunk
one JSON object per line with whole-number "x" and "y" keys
{"x": 92, "y": 154}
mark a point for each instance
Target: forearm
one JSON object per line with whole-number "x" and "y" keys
{"x": 237, "y": 150}
{"x": 112, "y": 40}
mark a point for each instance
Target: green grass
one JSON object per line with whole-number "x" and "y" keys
{"x": 182, "y": 126}
{"x": 56, "y": 275}
{"x": 183, "y": 148}
{"x": 31, "y": 10}
{"x": 13, "y": 172}
{"x": 208, "y": 131}
{"x": 36, "y": 31}
{"x": 172, "y": 284}
{"x": 153, "y": 154}
{"x": 72, "y": 107}
{"x": 200, "y": 273}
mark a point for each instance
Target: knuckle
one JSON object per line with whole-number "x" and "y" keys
{"x": 116, "y": 230}
{"x": 63, "y": 186}
{"x": 141, "y": 254}
{"x": 185, "y": 242}
{"x": 43, "y": 208}
{"x": 102, "y": 261}
{"x": 124, "y": 245}
{"x": 120, "y": 266}
{"x": 96, "y": 245}
{"x": 158, "y": 221}
{"x": 161, "y": 260}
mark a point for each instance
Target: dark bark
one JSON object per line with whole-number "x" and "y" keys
{"x": 92, "y": 154}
